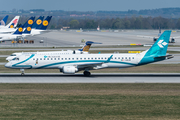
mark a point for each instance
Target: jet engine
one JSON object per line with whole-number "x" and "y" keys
{"x": 69, "y": 69}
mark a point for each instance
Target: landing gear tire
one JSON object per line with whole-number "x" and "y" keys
{"x": 22, "y": 70}
{"x": 86, "y": 73}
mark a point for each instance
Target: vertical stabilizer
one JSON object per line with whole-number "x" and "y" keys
{"x": 4, "y": 20}
{"x": 38, "y": 22}
{"x": 18, "y": 31}
{"x": 87, "y": 46}
{"x": 158, "y": 51}
{"x": 45, "y": 23}
{"x": 15, "y": 21}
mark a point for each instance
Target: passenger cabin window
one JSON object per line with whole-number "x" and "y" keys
{"x": 40, "y": 58}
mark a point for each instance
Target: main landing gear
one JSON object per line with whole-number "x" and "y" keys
{"x": 87, "y": 73}
{"x": 22, "y": 70}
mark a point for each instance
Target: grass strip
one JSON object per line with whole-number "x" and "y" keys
{"x": 90, "y": 101}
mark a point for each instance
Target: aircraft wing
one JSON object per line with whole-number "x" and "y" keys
{"x": 94, "y": 64}
{"x": 89, "y": 65}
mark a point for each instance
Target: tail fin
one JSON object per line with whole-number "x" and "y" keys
{"x": 15, "y": 21}
{"x": 18, "y": 31}
{"x": 159, "y": 48}
{"x": 28, "y": 25}
{"x": 158, "y": 51}
{"x": 30, "y": 21}
{"x": 38, "y": 22}
{"x": 87, "y": 45}
{"x": 11, "y": 26}
{"x": 45, "y": 23}
{"x": 4, "y": 20}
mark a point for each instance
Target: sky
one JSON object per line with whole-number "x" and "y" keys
{"x": 88, "y": 5}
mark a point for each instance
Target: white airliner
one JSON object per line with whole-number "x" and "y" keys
{"x": 83, "y": 50}
{"x": 72, "y": 63}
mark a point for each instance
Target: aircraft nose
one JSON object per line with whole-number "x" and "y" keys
{"x": 7, "y": 65}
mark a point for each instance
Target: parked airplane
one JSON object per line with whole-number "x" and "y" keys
{"x": 83, "y": 50}
{"x": 72, "y": 63}
{"x": 39, "y": 25}
{"x": 15, "y": 21}
{"x": 19, "y": 31}
{"x": 4, "y": 20}
{"x": 172, "y": 39}
{"x": 38, "y": 22}
{"x": 41, "y": 28}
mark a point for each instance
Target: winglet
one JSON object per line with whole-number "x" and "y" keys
{"x": 108, "y": 60}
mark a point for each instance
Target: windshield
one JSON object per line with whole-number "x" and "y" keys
{"x": 13, "y": 54}
{"x": 15, "y": 59}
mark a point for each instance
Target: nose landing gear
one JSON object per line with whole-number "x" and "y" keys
{"x": 87, "y": 73}
{"x": 22, "y": 70}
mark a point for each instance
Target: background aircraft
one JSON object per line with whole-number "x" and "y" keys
{"x": 15, "y": 21}
{"x": 4, "y": 20}
{"x": 19, "y": 31}
{"x": 172, "y": 39}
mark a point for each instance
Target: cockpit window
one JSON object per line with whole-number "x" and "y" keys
{"x": 15, "y": 59}
{"x": 13, "y": 54}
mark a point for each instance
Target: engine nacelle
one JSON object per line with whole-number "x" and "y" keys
{"x": 69, "y": 69}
